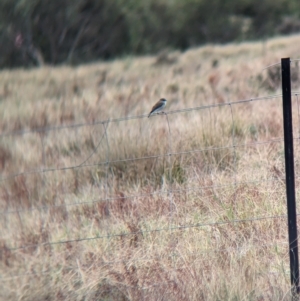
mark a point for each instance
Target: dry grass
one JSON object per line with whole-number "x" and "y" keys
{"x": 166, "y": 230}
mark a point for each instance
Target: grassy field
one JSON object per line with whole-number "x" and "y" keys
{"x": 184, "y": 206}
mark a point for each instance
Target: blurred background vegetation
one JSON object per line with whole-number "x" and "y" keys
{"x": 37, "y": 32}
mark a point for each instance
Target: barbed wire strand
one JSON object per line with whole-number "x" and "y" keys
{"x": 116, "y": 198}
{"x": 173, "y": 228}
{"x": 123, "y": 197}
{"x": 126, "y": 118}
{"x": 155, "y": 257}
{"x": 37, "y": 171}
{"x": 278, "y": 63}
{"x": 270, "y": 66}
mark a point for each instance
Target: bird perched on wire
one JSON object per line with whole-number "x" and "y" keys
{"x": 158, "y": 106}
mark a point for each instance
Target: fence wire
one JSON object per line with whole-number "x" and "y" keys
{"x": 120, "y": 119}
{"x": 169, "y": 191}
{"x": 199, "y": 225}
{"x": 136, "y": 260}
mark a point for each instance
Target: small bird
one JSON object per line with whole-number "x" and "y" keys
{"x": 158, "y": 106}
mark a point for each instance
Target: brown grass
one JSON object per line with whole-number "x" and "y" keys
{"x": 159, "y": 228}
